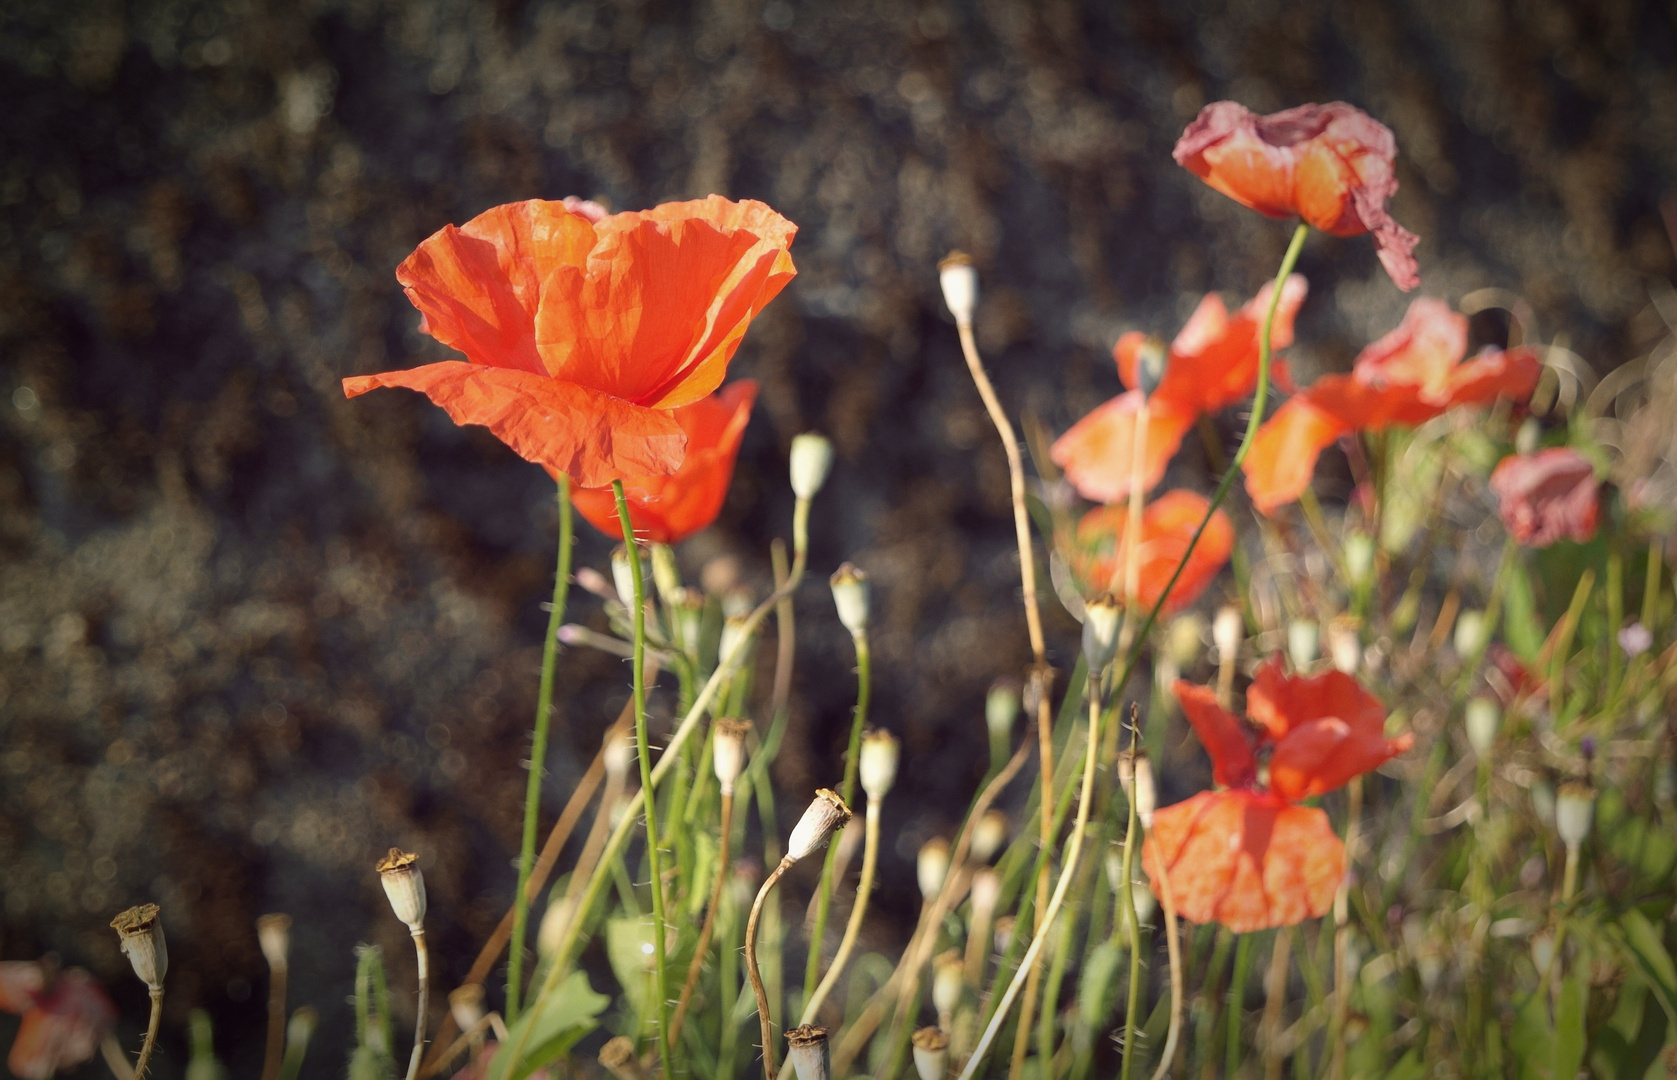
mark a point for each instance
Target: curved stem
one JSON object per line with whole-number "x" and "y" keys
{"x": 660, "y": 976}
{"x": 1074, "y": 849}
{"x": 709, "y": 928}
{"x": 847, "y": 790}
{"x": 151, "y": 1033}
{"x": 422, "y": 958}
{"x": 538, "y": 753}
{"x": 1168, "y": 902}
{"x": 870, "y": 858}
{"x": 764, "y": 1020}
{"x": 1133, "y": 923}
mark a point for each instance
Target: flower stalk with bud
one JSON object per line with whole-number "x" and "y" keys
{"x": 404, "y": 884}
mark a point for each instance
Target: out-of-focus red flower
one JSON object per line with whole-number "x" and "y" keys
{"x": 1213, "y": 363}
{"x": 65, "y": 1017}
{"x": 583, "y": 334}
{"x": 1411, "y": 375}
{"x": 669, "y": 509}
{"x": 1547, "y": 496}
{"x": 1329, "y": 164}
{"x": 1167, "y": 523}
{"x": 1248, "y": 857}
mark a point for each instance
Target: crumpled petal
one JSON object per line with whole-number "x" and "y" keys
{"x": 1167, "y": 524}
{"x": 1283, "y": 454}
{"x": 1244, "y": 859}
{"x": 1547, "y": 496}
{"x": 1098, "y": 451}
{"x": 1279, "y": 703}
{"x": 1223, "y": 736}
{"x": 668, "y": 509}
{"x": 564, "y": 427}
{"x": 1320, "y": 755}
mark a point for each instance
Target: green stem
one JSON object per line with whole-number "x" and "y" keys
{"x": 1237, "y": 1001}
{"x": 824, "y": 898}
{"x": 1259, "y": 399}
{"x": 870, "y": 859}
{"x": 654, "y": 858}
{"x": 1132, "y": 922}
{"x": 538, "y": 754}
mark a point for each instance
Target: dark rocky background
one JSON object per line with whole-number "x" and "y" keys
{"x": 252, "y": 633}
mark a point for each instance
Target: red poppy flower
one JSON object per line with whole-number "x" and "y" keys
{"x": 669, "y": 509}
{"x": 1167, "y": 524}
{"x": 1547, "y": 496}
{"x": 1213, "y": 363}
{"x": 583, "y": 337}
{"x": 1407, "y": 377}
{"x": 1329, "y": 164}
{"x": 1248, "y": 857}
{"x": 64, "y": 1018}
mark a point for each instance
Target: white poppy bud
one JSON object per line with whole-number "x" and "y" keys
{"x": 733, "y": 633}
{"x": 1470, "y": 633}
{"x": 622, "y": 576}
{"x": 931, "y": 1053}
{"x": 1184, "y": 639}
{"x": 665, "y": 575}
{"x": 1574, "y": 811}
{"x": 1344, "y": 647}
{"x": 1227, "y": 632}
{"x": 850, "y": 596}
{"x": 465, "y": 1004}
{"x": 618, "y": 754}
{"x": 959, "y": 279}
{"x": 989, "y": 833}
{"x": 930, "y": 866}
{"x": 1303, "y": 640}
{"x": 878, "y": 767}
{"x": 1001, "y": 707}
{"x": 1152, "y": 361}
{"x": 405, "y": 886}
{"x": 812, "y": 460}
{"x": 1359, "y": 557}
{"x": 825, "y": 815}
{"x": 727, "y": 755}
{"x": 1483, "y": 717}
{"x": 948, "y": 980}
{"x": 986, "y": 893}
{"x": 1100, "y": 632}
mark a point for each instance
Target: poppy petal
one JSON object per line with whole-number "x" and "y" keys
{"x": 64, "y": 1029}
{"x": 1495, "y": 373}
{"x": 1323, "y": 754}
{"x": 1207, "y": 373}
{"x": 21, "y": 981}
{"x": 1283, "y": 455}
{"x": 1244, "y": 859}
{"x": 1224, "y": 147}
{"x": 1279, "y": 703}
{"x": 564, "y": 427}
{"x": 1548, "y": 496}
{"x": 668, "y": 509}
{"x": 1167, "y": 524}
{"x": 1097, "y": 452}
{"x": 1232, "y": 762}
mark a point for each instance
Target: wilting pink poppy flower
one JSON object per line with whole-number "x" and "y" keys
{"x": 1547, "y": 496}
{"x": 65, "y": 1017}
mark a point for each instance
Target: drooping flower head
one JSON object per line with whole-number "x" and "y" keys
{"x": 1097, "y": 554}
{"x": 1411, "y": 375}
{"x": 65, "y": 1017}
{"x": 583, "y": 337}
{"x": 1547, "y": 496}
{"x": 1213, "y": 363}
{"x": 1248, "y": 856}
{"x": 1329, "y": 164}
{"x": 669, "y": 509}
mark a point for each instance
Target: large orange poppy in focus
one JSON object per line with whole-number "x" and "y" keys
{"x": 584, "y": 334}
{"x": 1249, "y": 857}
{"x": 1329, "y": 164}
{"x": 1213, "y": 363}
{"x": 1411, "y": 375}
{"x": 1167, "y": 524}
{"x": 669, "y": 509}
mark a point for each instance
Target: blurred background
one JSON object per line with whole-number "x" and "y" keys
{"x": 252, "y": 634}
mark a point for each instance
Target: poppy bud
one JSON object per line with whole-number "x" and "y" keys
{"x": 878, "y": 767}
{"x": 665, "y": 575}
{"x": 591, "y": 580}
{"x": 618, "y": 1057}
{"x": 989, "y": 833}
{"x": 555, "y": 921}
{"x": 1151, "y": 361}
{"x": 465, "y": 1004}
{"x": 931, "y": 1053}
{"x": 1470, "y": 633}
{"x": 140, "y": 932}
{"x": 930, "y": 866}
{"x": 299, "y": 1030}
{"x": 959, "y": 279}
{"x": 986, "y": 893}
{"x": 807, "y": 1052}
{"x": 1359, "y": 558}
{"x": 1001, "y": 707}
{"x": 1574, "y": 811}
{"x": 825, "y": 815}
{"x": 1303, "y": 640}
{"x": 1542, "y": 951}
{"x": 273, "y": 934}
{"x": 948, "y": 980}
{"x": 812, "y": 460}
{"x": 1483, "y": 716}
{"x": 728, "y": 751}
{"x": 1100, "y": 632}
{"x": 1228, "y": 631}
{"x": 850, "y": 596}
{"x": 622, "y": 576}
{"x": 405, "y": 886}
{"x": 1344, "y": 647}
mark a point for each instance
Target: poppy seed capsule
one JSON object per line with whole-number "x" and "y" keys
{"x": 1574, "y": 811}
{"x": 850, "y": 596}
{"x": 140, "y": 932}
{"x": 1004, "y": 932}
{"x": 623, "y": 577}
{"x": 1001, "y": 706}
{"x": 1359, "y": 558}
{"x": 1470, "y": 632}
{"x": 1227, "y": 632}
{"x": 948, "y": 980}
{"x": 931, "y": 1053}
{"x": 618, "y": 1057}
{"x": 959, "y": 279}
{"x": 1344, "y": 648}
{"x": 878, "y": 765}
{"x": 930, "y": 866}
{"x": 465, "y": 1004}
{"x": 405, "y": 886}
{"x": 1304, "y": 639}
{"x": 986, "y": 892}
{"x": 1100, "y": 631}
{"x": 273, "y": 934}
{"x": 807, "y": 1052}
{"x": 728, "y": 751}
{"x": 1152, "y": 359}
{"x": 1483, "y": 717}
{"x": 989, "y": 833}
{"x": 811, "y": 461}
{"x": 825, "y": 815}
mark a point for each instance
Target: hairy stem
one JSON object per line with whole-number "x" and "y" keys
{"x": 151, "y": 1033}
{"x": 764, "y": 1019}
{"x": 709, "y": 928}
{"x": 422, "y": 960}
{"x": 870, "y": 859}
{"x": 847, "y": 790}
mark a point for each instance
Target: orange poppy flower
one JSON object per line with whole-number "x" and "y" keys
{"x": 64, "y": 1019}
{"x": 1167, "y": 524}
{"x": 1547, "y": 496}
{"x": 1411, "y": 375}
{"x": 669, "y": 509}
{"x": 1213, "y": 363}
{"x": 1329, "y": 164}
{"x": 1249, "y": 857}
{"x": 582, "y": 337}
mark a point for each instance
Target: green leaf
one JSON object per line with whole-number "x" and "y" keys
{"x": 1642, "y": 940}
{"x": 1569, "y": 1027}
{"x": 1409, "y": 1067}
{"x": 629, "y": 948}
{"x": 1522, "y": 628}
{"x": 568, "y": 1014}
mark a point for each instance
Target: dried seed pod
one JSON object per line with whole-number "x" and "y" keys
{"x": 825, "y": 815}
{"x": 850, "y": 596}
{"x": 140, "y": 931}
{"x": 931, "y": 865}
{"x": 405, "y": 886}
{"x": 959, "y": 280}
{"x": 727, "y": 756}
{"x": 807, "y": 1052}
{"x": 931, "y": 1053}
